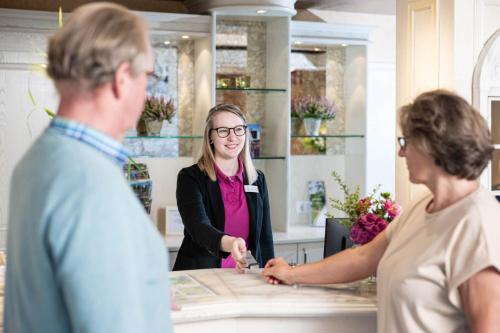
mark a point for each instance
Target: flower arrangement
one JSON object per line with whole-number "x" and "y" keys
{"x": 367, "y": 216}
{"x": 313, "y": 107}
{"x": 156, "y": 108}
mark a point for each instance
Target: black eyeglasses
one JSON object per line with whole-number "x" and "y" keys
{"x": 223, "y": 132}
{"x": 402, "y": 142}
{"x": 153, "y": 77}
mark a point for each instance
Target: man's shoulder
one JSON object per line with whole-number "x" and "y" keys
{"x": 57, "y": 159}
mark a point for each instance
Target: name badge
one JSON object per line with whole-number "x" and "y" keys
{"x": 251, "y": 188}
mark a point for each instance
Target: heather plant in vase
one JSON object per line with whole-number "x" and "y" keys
{"x": 366, "y": 216}
{"x": 313, "y": 110}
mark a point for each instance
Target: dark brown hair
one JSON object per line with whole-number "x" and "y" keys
{"x": 447, "y": 128}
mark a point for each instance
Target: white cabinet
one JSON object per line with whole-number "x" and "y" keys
{"x": 310, "y": 252}
{"x": 287, "y": 252}
{"x": 293, "y": 252}
{"x": 300, "y": 253}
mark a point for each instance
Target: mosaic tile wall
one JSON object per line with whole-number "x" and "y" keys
{"x": 335, "y": 64}
{"x": 186, "y": 95}
{"x": 175, "y": 67}
{"x": 251, "y": 62}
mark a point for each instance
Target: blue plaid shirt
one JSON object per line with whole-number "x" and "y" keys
{"x": 98, "y": 140}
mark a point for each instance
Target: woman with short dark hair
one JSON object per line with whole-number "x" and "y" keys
{"x": 437, "y": 264}
{"x": 448, "y": 129}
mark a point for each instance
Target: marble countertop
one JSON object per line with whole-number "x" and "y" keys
{"x": 295, "y": 234}
{"x": 248, "y": 295}
{"x": 225, "y": 294}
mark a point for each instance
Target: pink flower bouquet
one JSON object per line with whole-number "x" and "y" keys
{"x": 367, "y": 216}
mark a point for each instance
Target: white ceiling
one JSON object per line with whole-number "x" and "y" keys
{"x": 387, "y": 7}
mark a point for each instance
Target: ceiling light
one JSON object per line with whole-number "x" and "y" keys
{"x": 167, "y": 42}
{"x": 317, "y": 49}
{"x": 344, "y": 45}
{"x": 261, "y": 11}
{"x": 185, "y": 37}
{"x": 298, "y": 42}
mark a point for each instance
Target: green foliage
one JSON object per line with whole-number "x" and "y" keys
{"x": 350, "y": 204}
{"x": 316, "y": 144}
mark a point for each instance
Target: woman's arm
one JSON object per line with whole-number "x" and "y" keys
{"x": 481, "y": 300}
{"x": 349, "y": 265}
{"x": 194, "y": 217}
{"x": 266, "y": 234}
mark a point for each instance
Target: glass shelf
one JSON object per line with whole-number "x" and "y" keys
{"x": 166, "y": 137}
{"x": 253, "y": 158}
{"x": 269, "y": 158}
{"x": 263, "y": 90}
{"x": 330, "y": 136}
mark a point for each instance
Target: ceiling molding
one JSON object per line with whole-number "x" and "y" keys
{"x": 165, "y": 6}
{"x": 242, "y": 7}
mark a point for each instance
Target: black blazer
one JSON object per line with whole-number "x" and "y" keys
{"x": 202, "y": 210}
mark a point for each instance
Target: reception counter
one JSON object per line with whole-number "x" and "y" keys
{"x": 221, "y": 300}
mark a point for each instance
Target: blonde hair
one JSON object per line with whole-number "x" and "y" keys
{"x": 94, "y": 41}
{"x": 206, "y": 162}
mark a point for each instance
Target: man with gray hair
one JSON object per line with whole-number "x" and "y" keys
{"x": 83, "y": 255}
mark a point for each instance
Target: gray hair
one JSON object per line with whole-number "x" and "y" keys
{"x": 94, "y": 41}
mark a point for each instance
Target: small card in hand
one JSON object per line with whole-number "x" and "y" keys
{"x": 251, "y": 263}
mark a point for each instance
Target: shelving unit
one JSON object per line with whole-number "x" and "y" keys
{"x": 330, "y": 61}
{"x": 165, "y": 137}
{"x": 255, "y": 48}
{"x": 236, "y": 42}
{"x": 262, "y": 90}
{"x": 326, "y": 136}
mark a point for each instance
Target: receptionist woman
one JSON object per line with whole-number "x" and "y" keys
{"x": 223, "y": 199}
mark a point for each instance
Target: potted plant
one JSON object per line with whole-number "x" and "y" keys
{"x": 296, "y": 115}
{"x": 314, "y": 110}
{"x": 156, "y": 110}
{"x": 366, "y": 216}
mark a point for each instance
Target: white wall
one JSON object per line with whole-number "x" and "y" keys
{"x": 308, "y": 168}
{"x": 163, "y": 172}
{"x": 450, "y": 35}
{"x": 20, "y": 122}
{"x": 473, "y": 22}
{"x": 380, "y": 94}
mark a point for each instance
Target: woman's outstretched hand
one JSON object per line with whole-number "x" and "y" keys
{"x": 278, "y": 271}
{"x": 238, "y": 251}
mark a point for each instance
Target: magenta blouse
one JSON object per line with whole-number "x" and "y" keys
{"x": 237, "y": 218}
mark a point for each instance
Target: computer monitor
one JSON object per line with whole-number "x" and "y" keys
{"x": 336, "y": 238}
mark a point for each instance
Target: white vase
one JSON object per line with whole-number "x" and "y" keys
{"x": 312, "y": 125}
